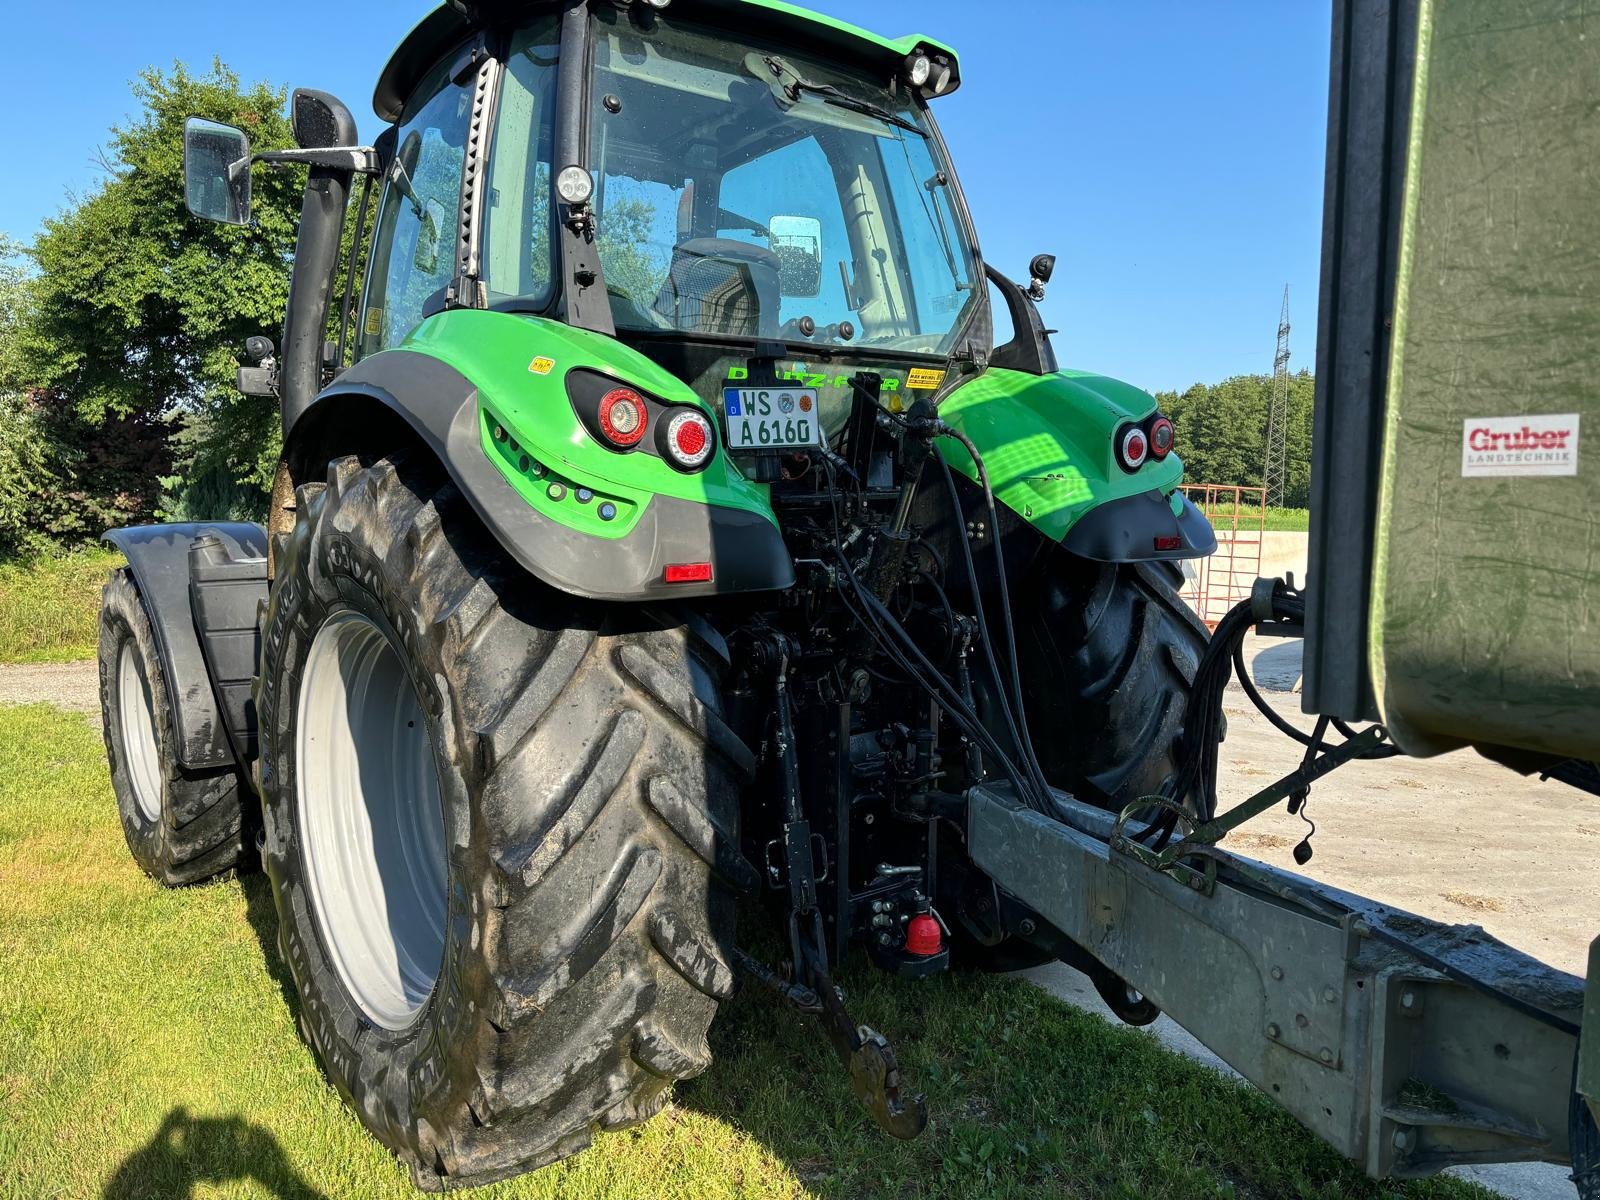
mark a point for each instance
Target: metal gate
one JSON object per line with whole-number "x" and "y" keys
{"x": 1239, "y": 515}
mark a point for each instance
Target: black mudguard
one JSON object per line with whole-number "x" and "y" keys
{"x": 159, "y": 557}
{"x": 1135, "y": 528}
{"x": 441, "y": 406}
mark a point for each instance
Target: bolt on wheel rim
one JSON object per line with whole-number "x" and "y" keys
{"x": 136, "y": 713}
{"x": 371, "y": 820}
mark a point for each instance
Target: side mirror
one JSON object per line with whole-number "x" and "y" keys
{"x": 1042, "y": 268}
{"x": 797, "y": 241}
{"x": 216, "y": 172}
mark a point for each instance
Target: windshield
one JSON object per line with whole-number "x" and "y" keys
{"x": 764, "y": 195}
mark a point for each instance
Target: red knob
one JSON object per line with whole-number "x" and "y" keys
{"x": 923, "y": 937}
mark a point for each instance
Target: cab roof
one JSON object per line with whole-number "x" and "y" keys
{"x": 449, "y": 24}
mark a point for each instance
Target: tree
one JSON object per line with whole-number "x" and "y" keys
{"x": 141, "y": 312}
{"x": 22, "y": 454}
{"x": 1222, "y": 432}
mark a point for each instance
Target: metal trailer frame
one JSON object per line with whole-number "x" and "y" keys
{"x": 1407, "y": 1045}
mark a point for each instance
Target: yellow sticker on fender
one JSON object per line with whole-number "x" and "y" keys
{"x": 925, "y": 379}
{"x": 542, "y": 366}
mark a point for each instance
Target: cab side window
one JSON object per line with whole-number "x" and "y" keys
{"x": 413, "y": 256}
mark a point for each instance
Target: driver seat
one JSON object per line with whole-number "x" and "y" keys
{"x": 720, "y": 286}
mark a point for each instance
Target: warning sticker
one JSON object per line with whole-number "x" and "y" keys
{"x": 542, "y": 366}
{"x": 374, "y": 322}
{"x": 925, "y": 379}
{"x": 1496, "y": 446}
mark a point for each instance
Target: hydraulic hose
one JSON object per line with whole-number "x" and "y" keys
{"x": 1019, "y": 720}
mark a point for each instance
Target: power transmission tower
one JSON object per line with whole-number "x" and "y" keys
{"x": 1278, "y": 420}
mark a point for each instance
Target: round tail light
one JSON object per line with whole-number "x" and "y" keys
{"x": 690, "y": 440}
{"x": 1162, "y": 436}
{"x": 623, "y": 417}
{"x": 1133, "y": 449}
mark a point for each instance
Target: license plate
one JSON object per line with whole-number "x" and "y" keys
{"x": 775, "y": 418}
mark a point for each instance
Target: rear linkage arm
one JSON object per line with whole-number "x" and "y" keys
{"x": 866, "y": 1054}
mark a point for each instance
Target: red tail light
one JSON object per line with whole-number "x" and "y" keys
{"x": 690, "y": 440}
{"x": 1162, "y": 436}
{"x": 623, "y": 417}
{"x": 1133, "y": 448}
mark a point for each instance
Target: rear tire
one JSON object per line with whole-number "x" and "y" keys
{"x": 588, "y": 790}
{"x": 182, "y": 826}
{"x": 1108, "y": 653}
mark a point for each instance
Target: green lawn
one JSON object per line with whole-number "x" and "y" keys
{"x": 1278, "y": 520}
{"x": 50, "y": 605}
{"x": 147, "y": 1049}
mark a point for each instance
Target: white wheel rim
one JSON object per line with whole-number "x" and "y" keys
{"x": 137, "y": 716}
{"x": 370, "y": 819}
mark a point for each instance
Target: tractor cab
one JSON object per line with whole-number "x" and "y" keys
{"x": 705, "y": 198}
{"x": 706, "y": 194}
{"x": 672, "y": 252}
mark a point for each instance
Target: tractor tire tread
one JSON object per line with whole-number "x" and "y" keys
{"x": 206, "y": 827}
{"x": 600, "y": 926}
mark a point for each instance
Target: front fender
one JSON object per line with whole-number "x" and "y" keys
{"x": 463, "y": 374}
{"x": 1047, "y": 442}
{"x": 159, "y": 557}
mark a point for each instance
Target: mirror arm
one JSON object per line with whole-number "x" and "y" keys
{"x": 1029, "y": 350}
{"x": 363, "y": 160}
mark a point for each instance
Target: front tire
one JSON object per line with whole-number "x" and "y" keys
{"x": 182, "y": 826}
{"x": 573, "y": 795}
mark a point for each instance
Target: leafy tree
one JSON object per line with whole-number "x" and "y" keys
{"x": 15, "y": 303}
{"x": 1222, "y": 432}
{"x": 22, "y": 453}
{"x": 141, "y": 311}
{"x": 634, "y": 267}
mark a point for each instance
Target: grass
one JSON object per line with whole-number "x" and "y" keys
{"x": 148, "y": 1048}
{"x": 50, "y": 605}
{"x": 1278, "y": 520}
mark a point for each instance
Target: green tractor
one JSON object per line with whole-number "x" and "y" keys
{"x": 663, "y": 533}
{"x": 648, "y": 555}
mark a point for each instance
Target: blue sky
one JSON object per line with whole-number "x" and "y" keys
{"x": 1170, "y": 153}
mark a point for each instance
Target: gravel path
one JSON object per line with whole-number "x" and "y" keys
{"x": 72, "y": 686}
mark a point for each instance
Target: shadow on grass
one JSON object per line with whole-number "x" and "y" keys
{"x": 262, "y": 913}
{"x": 187, "y": 1151}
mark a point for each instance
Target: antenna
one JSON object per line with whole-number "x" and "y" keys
{"x": 1278, "y": 419}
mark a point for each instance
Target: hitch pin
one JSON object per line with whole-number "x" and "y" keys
{"x": 886, "y": 869}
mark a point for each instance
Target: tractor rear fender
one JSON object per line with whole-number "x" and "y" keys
{"x": 200, "y": 584}
{"x": 1049, "y": 444}
{"x": 586, "y": 520}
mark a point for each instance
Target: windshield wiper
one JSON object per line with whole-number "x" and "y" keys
{"x": 866, "y": 107}
{"x": 788, "y": 85}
